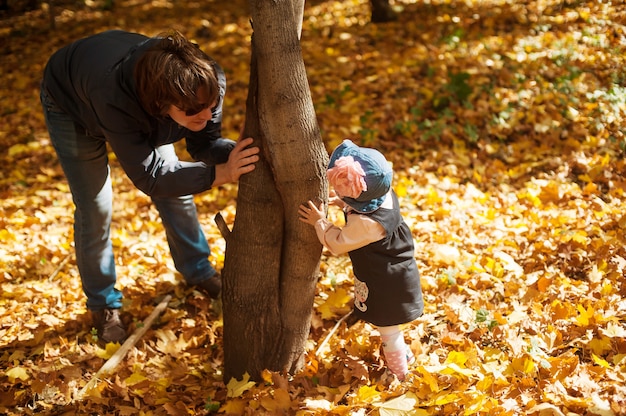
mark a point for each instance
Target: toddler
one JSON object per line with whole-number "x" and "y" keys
{"x": 387, "y": 288}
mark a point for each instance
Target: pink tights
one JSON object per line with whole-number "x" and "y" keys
{"x": 397, "y": 353}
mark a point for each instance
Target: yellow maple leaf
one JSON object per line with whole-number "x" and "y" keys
{"x": 7, "y": 236}
{"x": 584, "y": 315}
{"x": 336, "y": 301}
{"x": 447, "y": 398}
{"x": 580, "y": 237}
{"x": 600, "y": 361}
{"x": 456, "y": 357}
{"x": 428, "y": 379}
{"x": 455, "y": 368}
{"x": 607, "y": 289}
{"x": 325, "y": 310}
{"x": 17, "y": 373}
{"x": 485, "y": 383}
{"x": 523, "y": 364}
{"x": 456, "y": 364}
{"x": 368, "y": 394}
{"x": 135, "y": 378}
{"x": 108, "y": 350}
{"x": 236, "y": 388}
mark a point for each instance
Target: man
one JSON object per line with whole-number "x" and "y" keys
{"x": 139, "y": 95}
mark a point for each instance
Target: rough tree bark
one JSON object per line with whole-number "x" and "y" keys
{"x": 272, "y": 259}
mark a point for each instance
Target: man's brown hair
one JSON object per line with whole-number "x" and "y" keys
{"x": 171, "y": 73}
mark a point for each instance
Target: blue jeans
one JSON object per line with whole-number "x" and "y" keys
{"x": 85, "y": 163}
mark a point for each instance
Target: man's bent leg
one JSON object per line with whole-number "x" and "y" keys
{"x": 85, "y": 163}
{"x": 188, "y": 245}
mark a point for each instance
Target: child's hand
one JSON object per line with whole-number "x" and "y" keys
{"x": 310, "y": 213}
{"x": 333, "y": 199}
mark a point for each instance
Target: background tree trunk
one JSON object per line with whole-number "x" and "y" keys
{"x": 382, "y": 11}
{"x": 271, "y": 264}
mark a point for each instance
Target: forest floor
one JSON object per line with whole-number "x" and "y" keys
{"x": 505, "y": 124}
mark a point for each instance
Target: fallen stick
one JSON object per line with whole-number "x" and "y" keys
{"x": 108, "y": 367}
{"x": 59, "y": 267}
{"x": 332, "y": 331}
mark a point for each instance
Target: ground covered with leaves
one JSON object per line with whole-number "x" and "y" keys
{"x": 504, "y": 121}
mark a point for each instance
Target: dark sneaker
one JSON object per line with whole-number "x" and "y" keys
{"x": 211, "y": 286}
{"x": 109, "y": 326}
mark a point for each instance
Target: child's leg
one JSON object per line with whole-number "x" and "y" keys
{"x": 395, "y": 350}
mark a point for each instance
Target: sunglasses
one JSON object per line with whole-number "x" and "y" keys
{"x": 195, "y": 110}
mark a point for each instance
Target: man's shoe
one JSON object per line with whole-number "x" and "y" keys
{"x": 109, "y": 325}
{"x": 212, "y": 286}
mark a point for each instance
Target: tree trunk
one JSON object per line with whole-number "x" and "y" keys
{"x": 271, "y": 263}
{"x": 382, "y": 11}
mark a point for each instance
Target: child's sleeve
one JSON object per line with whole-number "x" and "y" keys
{"x": 358, "y": 232}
